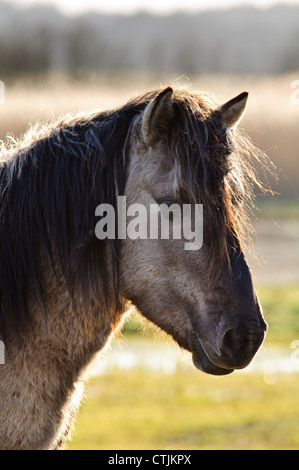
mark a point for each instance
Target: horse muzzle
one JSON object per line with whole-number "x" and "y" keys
{"x": 203, "y": 363}
{"x": 234, "y": 350}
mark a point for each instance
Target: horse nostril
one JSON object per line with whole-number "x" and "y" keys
{"x": 229, "y": 343}
{"x": 237, "y": 345}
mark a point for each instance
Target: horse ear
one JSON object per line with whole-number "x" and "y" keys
{"x": 157, "y": 115}
{"x": 233, "y": 111}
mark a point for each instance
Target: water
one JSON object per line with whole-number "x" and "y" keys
{"x": 165, "y": 357}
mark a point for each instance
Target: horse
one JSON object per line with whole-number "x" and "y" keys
{"x": 65, "y": 293}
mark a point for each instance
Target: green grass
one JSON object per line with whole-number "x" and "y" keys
{"x": 191, "y": 410}
{"x": 281, "y": 310}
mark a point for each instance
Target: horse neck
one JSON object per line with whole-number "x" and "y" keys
{"x": 45, "y": 371}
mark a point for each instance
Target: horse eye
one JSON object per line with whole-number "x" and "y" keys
{"x": 168, "y": 207}
{"x": 167, "y": 201}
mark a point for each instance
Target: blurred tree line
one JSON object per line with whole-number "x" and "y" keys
{"x": 247, "y": 40}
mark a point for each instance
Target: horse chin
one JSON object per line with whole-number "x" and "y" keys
{"x": 203, "y": 363}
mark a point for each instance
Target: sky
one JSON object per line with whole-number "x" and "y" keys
{"x": 74, "y": 7}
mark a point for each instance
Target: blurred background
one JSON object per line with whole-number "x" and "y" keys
{"x": 58, "y": 57}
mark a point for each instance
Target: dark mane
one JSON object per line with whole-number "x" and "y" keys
{"x": 52, "y": 181}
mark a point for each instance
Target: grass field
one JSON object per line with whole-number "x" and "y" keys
{"x": 190, "y": 410}
{"x": 281, "y": 310}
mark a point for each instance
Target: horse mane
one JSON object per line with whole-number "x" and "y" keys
{"x": 51, "y": 182}
{"x": 56, "y": 175}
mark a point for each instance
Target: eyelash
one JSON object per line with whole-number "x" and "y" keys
{"x": 166, "y": 201}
